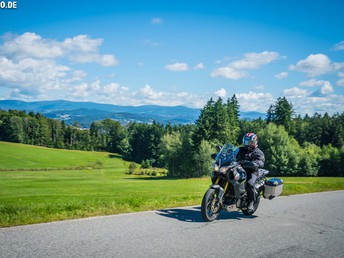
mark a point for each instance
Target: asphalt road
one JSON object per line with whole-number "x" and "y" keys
{"x": 309, "y": 225}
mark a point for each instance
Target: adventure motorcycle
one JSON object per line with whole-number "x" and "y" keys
{"x": 227, "y": 191}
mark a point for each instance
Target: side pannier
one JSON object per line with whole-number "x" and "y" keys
{"x": 273, "y": 188}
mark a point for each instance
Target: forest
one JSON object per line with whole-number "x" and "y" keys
{"x": 293, "y": 145}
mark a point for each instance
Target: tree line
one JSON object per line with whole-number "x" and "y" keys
{"x": 293, "y": 145}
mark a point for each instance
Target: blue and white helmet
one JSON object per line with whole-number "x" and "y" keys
{"x": 250, "y": 141}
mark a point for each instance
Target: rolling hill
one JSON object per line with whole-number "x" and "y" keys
{"x": 84, "y": 113}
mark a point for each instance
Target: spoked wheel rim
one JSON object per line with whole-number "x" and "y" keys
{"x": 213, "y": 205}
{"x": 210, "y": 206}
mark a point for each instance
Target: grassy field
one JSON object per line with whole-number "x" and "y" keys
{"x": 39, "y": 184}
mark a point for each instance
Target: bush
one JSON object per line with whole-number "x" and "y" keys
{"x": 132, "y": 168}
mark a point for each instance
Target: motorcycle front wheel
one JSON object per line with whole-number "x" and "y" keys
{"x": 211, "y": 207}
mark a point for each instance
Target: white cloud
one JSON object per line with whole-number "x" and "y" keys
{"x": 281, "y": 75}
{"x": 82, "y": 43}
{"x": 80, "y": 91}
{"x": 221, "y": 93}
{"x": 95, "y": 85}
{"x": 30, "y": 72}
{"x": 295, "y": 93}
{"x": 326, "y": 86}
{"x": 340, "y": 82}
{"x": 253, "y": 101}
{"x": 156, "y": 21}
{"x": 80, "y": 48}
{"x": 31, "y": 69}
{"x": 315, "y": 65}
{"x": 320, "y": 103}
{"x": 111, "y": 88}
{"x": 148, "y": 95}
{"x": 30, "y": 45}
{"x": 229, "y": 73}
{"x": 238, "y": 69}
{"x": 177, "y": 67}
{"x": 313, "y": 83}
{"x": 339, "y": 46}
{"x": 320, "y": 100}
{"x": 199, "y": 66}
{"x": 254, "y": 60}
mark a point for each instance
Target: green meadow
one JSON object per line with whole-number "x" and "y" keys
{"x": 39, "y": 184}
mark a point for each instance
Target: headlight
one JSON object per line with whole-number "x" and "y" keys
{"x": 223, "y": 169}
{"x": 216, "y": 167}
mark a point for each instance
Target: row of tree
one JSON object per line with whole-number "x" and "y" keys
{"x": 293, "y": 145}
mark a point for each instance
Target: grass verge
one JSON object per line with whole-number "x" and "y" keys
{"x": 34, "y": 190}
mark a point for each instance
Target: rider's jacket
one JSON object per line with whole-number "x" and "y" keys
{"x": 251, "y": 160}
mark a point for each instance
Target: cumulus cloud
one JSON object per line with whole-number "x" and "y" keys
{"x": 221, "y": 93}
{"x": 253, "y": 101}
{"x": 313, "y": 83}
{"x": 199, "y": 66}
{"x": 281, "y": 75}
{"x": 148, "y": 95}
{"x": 340, "y": 82}
{"x": 238, "y": 69}
{"x": 229, "y": 73}
{"x": 31, "y": 72}
{"x": 313, "y": 102}
{"x": 325, "y": 86}
{"x": 315, "y": 65}
{"x": 318, "y": 97}
{"x": 30, "y": 65}
{"x": 115, "y": 93}
{"x": 254, "y": 60}
{"x": 295, "y": 92}
{"x": 30, "y": 45}
{"x": 104, "y": 60}
{"x": 177, "y": 67}
{"x": 80, "y": 48}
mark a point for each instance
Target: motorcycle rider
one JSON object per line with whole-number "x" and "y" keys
{"x": 251, "y": 158}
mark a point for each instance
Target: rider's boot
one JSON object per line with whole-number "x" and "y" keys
{"x": 252, "y": 193}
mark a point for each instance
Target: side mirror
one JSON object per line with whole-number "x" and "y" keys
{"x": 218, "y": 148}
{"x": 213, "y": 156}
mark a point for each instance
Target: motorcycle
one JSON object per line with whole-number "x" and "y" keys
{"x": 228, "y": 189}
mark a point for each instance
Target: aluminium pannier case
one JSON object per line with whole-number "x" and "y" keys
{"x": 273, "y": 188}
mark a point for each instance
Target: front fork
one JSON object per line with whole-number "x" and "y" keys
{"x": 220, "y": 189}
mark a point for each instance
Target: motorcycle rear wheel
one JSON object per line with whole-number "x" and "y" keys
{"x": 255, "y": 207}
{"x": 211, "y": 207}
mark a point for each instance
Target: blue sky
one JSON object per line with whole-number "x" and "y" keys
{"x": 175, "y": 52}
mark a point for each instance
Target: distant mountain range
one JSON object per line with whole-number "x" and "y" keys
{"x": 84, "y": 113}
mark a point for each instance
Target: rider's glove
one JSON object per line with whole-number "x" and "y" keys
{"x": 249, "y": 164}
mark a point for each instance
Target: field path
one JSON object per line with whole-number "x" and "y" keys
{"x": 309, "y": 225}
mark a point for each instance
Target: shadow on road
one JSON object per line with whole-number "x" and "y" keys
{"x": 194, "y": 215}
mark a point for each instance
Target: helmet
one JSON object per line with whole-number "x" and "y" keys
{"x": 250, "y": 141}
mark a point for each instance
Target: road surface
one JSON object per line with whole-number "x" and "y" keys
{"x": 309, "y": 225}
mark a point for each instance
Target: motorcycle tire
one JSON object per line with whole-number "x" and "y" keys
{"x": 210, "y": 208}
{"x": 255, "y": 207}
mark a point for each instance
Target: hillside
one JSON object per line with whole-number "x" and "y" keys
{"x": 40, "y": 184}
{"x": 15, "y": 156}
{"x": 84, "y": 113}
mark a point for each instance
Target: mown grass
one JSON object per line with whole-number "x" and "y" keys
{"x": 40, "y": 185}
